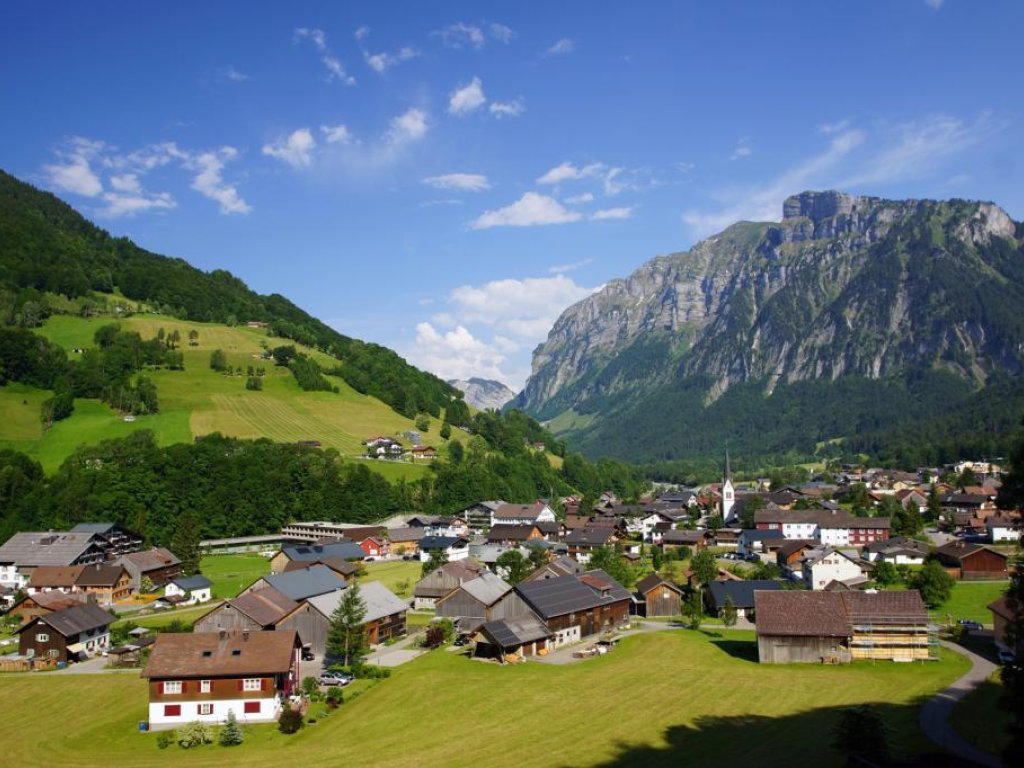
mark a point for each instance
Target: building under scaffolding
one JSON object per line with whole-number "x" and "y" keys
{"x": 839, "y": 627}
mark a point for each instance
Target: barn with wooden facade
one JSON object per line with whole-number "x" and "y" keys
{"x": 443, "y": 580}
{"x": 473, "y": 602}
{"x": 513, "y": 639}
{"x": 254, "y": 611}
{"x": 574, "y": 607}
{"x": 840, "y": 627}
{"x": 972, "y": 561}
{"x": 657, "y": 597}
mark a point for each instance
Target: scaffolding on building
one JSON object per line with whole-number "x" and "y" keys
{"x": 894, "y": 638}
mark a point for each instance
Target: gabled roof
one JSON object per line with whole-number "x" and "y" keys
{"x": 74, "y": 620}
{"x": 93, "y": 528}
{"x": 509, "y": 633}
{"x": 152, "y": 559}
{"x": 589, "y": 537}
{"x": 54, "y": 600}
{"x": 960, "y": 549}
{"x": 1002, "y": 608}
{"x": 511, "y": 532}
{"x": 216, "y": 654}
{"x": 35, "y": 548}
{"x": 380, "y": 601}
{"x": 55, "y": 576}
{"x": 100, "y": 575}
{"x": 652, "y": 580}
{"x": 441, "y": 542}
{"x": 342, "y": 550}
{"x": 568, "y": 594}
{"x": 189, "y": 583}
{"x": 793, "y": 546}
{"x": 486, "y": 588}
{"x": 560, "y": 566}
{"x": 405, "y": 534}
{"x": 741, "y": 592}
{"x": 301, "y": 585}
{"x": 823, "y": 518}
{"x": 264, "y": 606}
{"x": 753, "y": 534}
{"x": 801, "y": 613}
{"x": 683, "y": 537}
{"x": 514, "y": 511}
{"x": 345, "y": 567}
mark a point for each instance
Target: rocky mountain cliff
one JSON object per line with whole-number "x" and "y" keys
{"x": 484, "y": 393}
{"x": 843, "y": 287}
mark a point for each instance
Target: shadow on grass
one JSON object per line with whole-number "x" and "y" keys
{"x": 803, "y": 738}
{"x": 744, "y": 650}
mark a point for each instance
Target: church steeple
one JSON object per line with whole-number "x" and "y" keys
{"x": 728, "y": 492}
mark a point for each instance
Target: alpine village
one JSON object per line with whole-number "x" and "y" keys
{"x": 759, "y": 501}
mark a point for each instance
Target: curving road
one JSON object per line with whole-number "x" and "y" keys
{"x": 936, "y": 712}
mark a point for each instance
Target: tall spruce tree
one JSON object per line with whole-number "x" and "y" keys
{"x": 346, "y": 635}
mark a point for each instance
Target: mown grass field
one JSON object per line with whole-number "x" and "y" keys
{"x": 969, "y": 599}
{"x": 666, "y": 698}
{"x": 392, "y": 573}
{"x": 199, "y": 401}
{"x": 231, "y": 574}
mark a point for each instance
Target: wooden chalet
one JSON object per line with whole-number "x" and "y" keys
{"x": 474, "y": 602}
{"x": 70, "y": 634}
{"x": 42, "y": 603}
{"x": 157, "y": 565}
{"x": 443, "y": 580}
{"x": 658, "y": 597}
{"x": 204, "y": 676}
{"x": 107, "y": 584}
{"x": 504, "y": 533}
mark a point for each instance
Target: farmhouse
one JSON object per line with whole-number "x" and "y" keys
{"x": 204, "y": 676}
{"x": 972, "y": 561}
{"x": 740, "y": 592}
{"x": 473, "y": 602}
{"x": 443, "y": 580}
{"x": 310, "y": 553}
{"x": 255, "y": 611}
{"x": 574, "y": 607}
{"x": 301, "y": 584}
{"x": 898, "y": 551}
{"x": 345, "y": 569}
{"x": 657, "y": 597}
{"x": 523, "y": 514}
{"x": 105, "y": 583}
{"x": 48, "y": 578}
{"x": 21, "y": 554}
{"x": 752, "y": 541}
{"x": 839, "y": 627}
{"x": 504, "y": 533}
{"x": 42, "y": 603}
{"x": 582, "y": 542}
{"x": 822, "y": 566}
{"x": 71, "y": 634}
{"x": 158, "y": 565}
{"x": 405, "y": 541}
{"x": 478, "y": 516}
{"x": 684, "y": 538}
{"x": 385, "y": 616}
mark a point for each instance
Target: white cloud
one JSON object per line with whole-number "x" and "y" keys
{"x": 743, "y": 149}
{"x": 935, "y": 4}
{"x": 209, "y": 181}
{"x": 512, "y": 108}
{"x": 560, "y": 269}
{"x": 455, "y": 354}
{"x": 382, "y": 62}
{"x": 501, "y": 33}
{"x": 126, "y": 182}
{"x": 530, "y": 210}
{"x": 586, "y": 197}
{"x": 830, "y": 128}
{"x": 335, "y": 69}
{"x": 523, "y": 309}
{"x": 459, "y": 34}
{"x": 409, "y": 126}
{"x": 607, "y": 214}
{"x": 470, "y": 182}
{"x": 234, "y": 75}
{"x": 75, "y": 176}
{"x": 569, "y": 172}
{"x": 467, "y": 98}
{"x": 563, "y": 46}
{"x": 362, "y": 32}
{"x": 130, "y": 203}
{"x": 336, "y": 134}
{"x": 295, "y": 149}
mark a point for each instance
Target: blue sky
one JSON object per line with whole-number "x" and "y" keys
{"x": 445, "y": 178}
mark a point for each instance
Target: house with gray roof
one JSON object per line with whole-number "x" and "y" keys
{"x": 473, "y": 602}
{"x": 301, "y": 585}
{"x": 25, "y": 551}
{"x": 158, "y": 565}
{"x": 71, "y": 634}
{"x": 741, "y": 593}
{"x": 508, "y": 639}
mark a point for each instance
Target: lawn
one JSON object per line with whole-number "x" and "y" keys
{"x": 161, "y": 619}
{"x": 231, "y": 574}
{"x": 980, "y": 720}
{"x": 969, "y": 599}
{"x": 659, "y": 699}
{"x": 391, "y": 573}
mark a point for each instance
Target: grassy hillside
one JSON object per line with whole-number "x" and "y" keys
{"x": 200, "y": 401}
{"x": 668, "y": 698}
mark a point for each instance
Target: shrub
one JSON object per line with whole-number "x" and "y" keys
{"x": 371, "y": 672}
{"x": 335, "y": 697}
{"x": 231, "y": 735}
{"x": 290, "y": 721}
{"x": 310, "y": 686}
{"x": 194, "y": 735}
{"x": 164, "y": 739}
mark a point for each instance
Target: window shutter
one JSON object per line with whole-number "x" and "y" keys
{"x": 160, "y": 688}
{"x": 239, "y": 684}
{"x": 263, "y": 684}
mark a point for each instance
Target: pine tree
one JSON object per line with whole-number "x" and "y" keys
{"x": 729, "y": 612}
{"x": 185, "y": 543}
{"x": 346, "y": 636}
{"x": 231, "y": 735}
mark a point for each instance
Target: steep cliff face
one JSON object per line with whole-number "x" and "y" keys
{"x": 484, "y": 393}
{"x": 844, "y": 286}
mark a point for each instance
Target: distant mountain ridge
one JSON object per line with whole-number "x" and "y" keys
{"x": 484, "y": 393}
{"x": 845, "y": 288}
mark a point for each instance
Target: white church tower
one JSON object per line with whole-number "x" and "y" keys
{"x": 728, "y": 492}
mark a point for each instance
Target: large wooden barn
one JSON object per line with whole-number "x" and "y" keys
{"x": 839, "y": 627}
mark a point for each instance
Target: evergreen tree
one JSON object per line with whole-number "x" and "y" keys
{"x": 693, "y": 609}
{"x": 185, "y": 543}
{"x": 346, "y": 635}
{"x": 729, "y": 613}
{"x": 218, "y": 360}
{"x": 446, "y": 430}
{"x": 231, "y": 735}
{"x": 934, "y": 504}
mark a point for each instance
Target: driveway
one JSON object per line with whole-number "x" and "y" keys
{"x": 936, "y": 711}
{"x": 403, "y": 651}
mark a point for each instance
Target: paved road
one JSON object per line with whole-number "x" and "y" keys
{"x": 936, "y": 712}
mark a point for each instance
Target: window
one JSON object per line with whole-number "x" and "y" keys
{"x": 172, "y": 710}
{"x": 42, "y": 637}
{"x": 204, "y": 686}
{"x": 206, "y": 709}
{"x": 252, "y": 684}
{"x": 172, "y": 686}
{"x": 53, "y": 653}
{"x": 252, "y": 707}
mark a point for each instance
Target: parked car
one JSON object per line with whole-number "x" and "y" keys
{"x": 460, "y": 641}
{"x": 335, "y": 678}
{"x": 1006, "y": 657}
{"x": 969, "y": 624}
{"x": 408, "y": 557}
{"x": 308, "y": 655}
